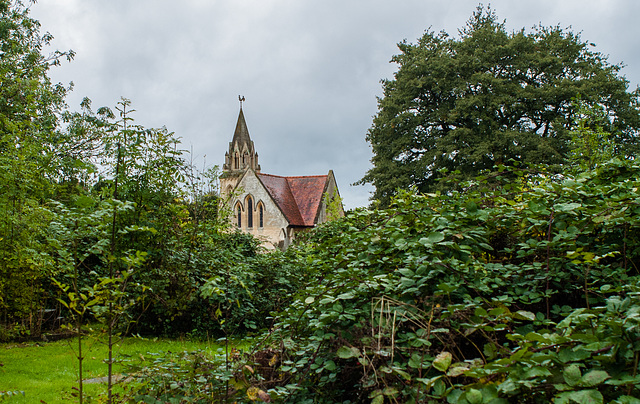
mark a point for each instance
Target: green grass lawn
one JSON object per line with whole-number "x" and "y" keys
{"x": 48, "y": 372}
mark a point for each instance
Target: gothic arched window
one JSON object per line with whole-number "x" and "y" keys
{"x": 249, "y": 212}
{"x": 239, "y": 216}
{"x": 261, "y": 215}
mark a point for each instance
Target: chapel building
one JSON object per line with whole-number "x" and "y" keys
{"x": 272, "y": 207}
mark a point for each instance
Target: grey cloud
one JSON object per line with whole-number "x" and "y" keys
{"x": 310, "y": 70}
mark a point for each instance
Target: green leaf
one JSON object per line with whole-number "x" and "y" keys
{"x": 571, "y": 355}
{"x": 497, "y": 311}
{"x": 508, "y": 386}
{"x": 480, "y": 312}
{"x": 346, "y": 352}
{"x": 472, "y": 207}
{"x": 537, "y": 371}
{"x": 447, "y": 288}
{"x": 405, "y": 375}
{"x": 347, "y": 295}
{"x": 435, "y": 237}
{"x": 457, "y": 369}
{"x": 442, "y": 361}
{"x": 417, "y": 361}
{"x": 375, "y": 393}
{"x": 524, "y": 315}
{"x": 474, "y": 396}
{"x": 566, "y": 207}
{"x": 439, "y": 388}
{"x": 330, "y": 365}
{"x": 390, "y": 391}
{"x": 627, "y": 400}
{"x": 594, "y": 378}
{"x": 309, "y": 300}
{"x": 572, "y": 375}
{"x": 535, "y": 206}
{"x": 580, "y": 397}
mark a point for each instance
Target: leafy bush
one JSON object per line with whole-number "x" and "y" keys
{"x": 523, "y": 292}
{"x": 183, "y": 377}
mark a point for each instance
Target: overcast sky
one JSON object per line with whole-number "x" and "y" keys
{"x": 310, "y": 69}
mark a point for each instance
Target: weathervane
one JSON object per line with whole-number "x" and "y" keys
{"x": 241, "y": 99}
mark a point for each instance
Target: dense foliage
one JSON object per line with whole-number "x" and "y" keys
{"x": 104, "y": 219}
{"x": 522, "y": 294}
{"x": 490, "y": 97}
{"x": 525, "y": 293}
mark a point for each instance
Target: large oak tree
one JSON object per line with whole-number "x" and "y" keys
{"x": 490, "y": 96}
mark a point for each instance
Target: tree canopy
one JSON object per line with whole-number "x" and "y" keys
{"x": 490, "y": 96}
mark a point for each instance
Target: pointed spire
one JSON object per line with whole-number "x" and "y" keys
{"x": 241, "y": 135}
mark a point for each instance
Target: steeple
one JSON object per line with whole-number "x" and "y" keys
{"x": 241, "y": 135}
{"x": 242, "y": 153}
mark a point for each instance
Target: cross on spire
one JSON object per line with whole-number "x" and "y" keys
{"x": 241, "y": 99}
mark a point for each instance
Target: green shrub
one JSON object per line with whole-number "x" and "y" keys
{"x": 515, "y": 290}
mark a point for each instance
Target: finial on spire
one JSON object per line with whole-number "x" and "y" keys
{"x": 241, "y": 99}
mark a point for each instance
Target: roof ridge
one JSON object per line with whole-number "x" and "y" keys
{"x": 294, "y": 176}
{"x": 271, "y": 175}
{"x": 307, "y": 176}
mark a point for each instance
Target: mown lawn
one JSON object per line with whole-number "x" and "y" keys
{"x": 48, "y": 372}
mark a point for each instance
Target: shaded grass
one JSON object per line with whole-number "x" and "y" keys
{"x": 48, "y": 372}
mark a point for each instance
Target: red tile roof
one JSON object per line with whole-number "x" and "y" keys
{"x": 299, "y": 198}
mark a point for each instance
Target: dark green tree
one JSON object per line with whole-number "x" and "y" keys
{"x": 489, "y": 96}
{"x": 30, "y": 106}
